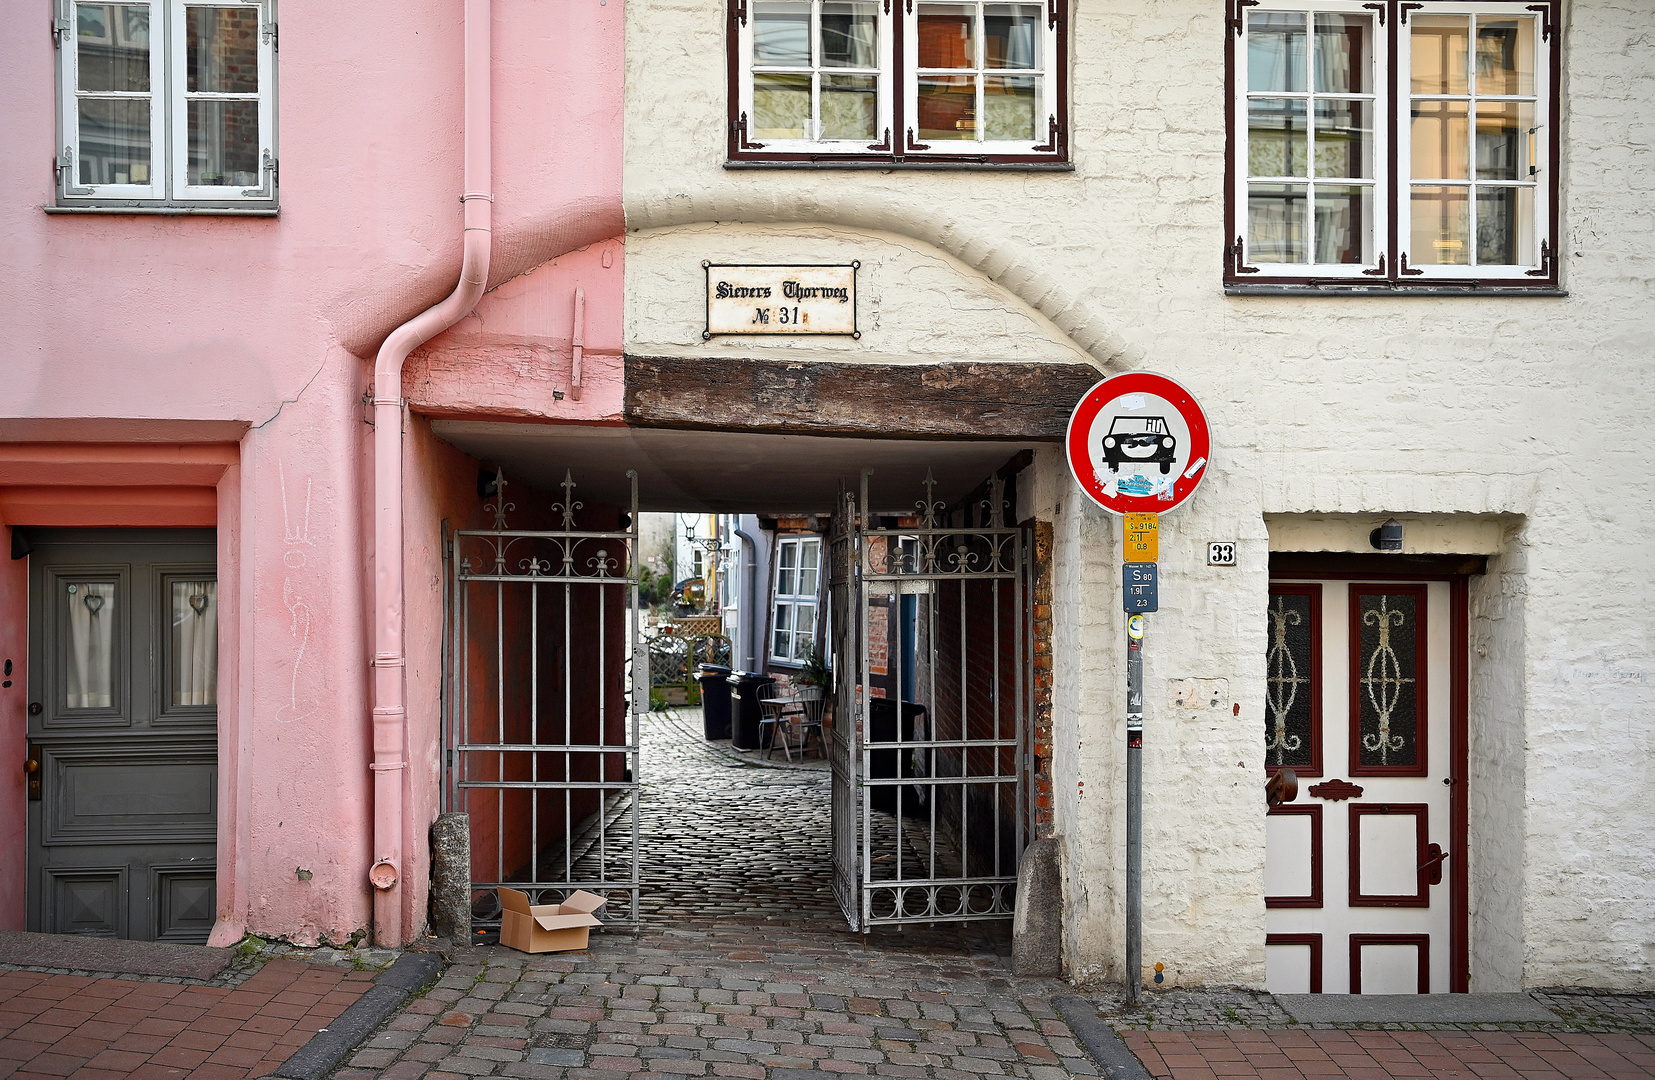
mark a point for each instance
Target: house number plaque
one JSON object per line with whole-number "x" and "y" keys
{"x": 769, "y": 299}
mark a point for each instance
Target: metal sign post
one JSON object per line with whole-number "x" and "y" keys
{"x": 1134, "y": 807}
{"x": 1139, "y": 578}
{"x": 1138, "y": 446}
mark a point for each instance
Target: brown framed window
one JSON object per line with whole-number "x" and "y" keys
{"x": 971, "y": 82}
{"x": 1388, "y": 145}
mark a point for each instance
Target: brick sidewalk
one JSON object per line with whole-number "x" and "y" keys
{"x": 1378, "y": 1055}
{"x": 88, "y": 1028}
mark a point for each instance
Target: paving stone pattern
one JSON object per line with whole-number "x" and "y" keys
{"x": 732, "y": 835}
{"x": 1581, "y": 1010}
{"x": 90, "y": 1028}
{"x": 725, "y": 838}
{"x": 1377, "y": 1055}
{"x": 762, "y": 1003}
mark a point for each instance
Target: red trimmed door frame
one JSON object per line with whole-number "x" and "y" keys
{"x": 1456, "y": 571}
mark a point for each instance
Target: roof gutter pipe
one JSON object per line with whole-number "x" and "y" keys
{"x": 390, "y": 711}
{"x": 750, "y": 600}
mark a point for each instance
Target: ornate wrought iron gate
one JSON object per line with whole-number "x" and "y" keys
{"x": 932, "y": 655}
{"x": 546, "y": 677}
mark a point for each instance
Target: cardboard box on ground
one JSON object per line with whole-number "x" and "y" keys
{"x": 537, "y": 928}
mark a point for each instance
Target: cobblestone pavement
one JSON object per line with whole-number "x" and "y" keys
{"x": 733, "y": 836}
{"x": 242, "y": 1025}
{"x": 1580, "y": 1010}
{"x": 727, "y": 839}
{"x": 764, "y": 1003}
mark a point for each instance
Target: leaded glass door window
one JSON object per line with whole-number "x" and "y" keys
{"x": 1358, "y": 702}
{"x": 1293, "y": 681}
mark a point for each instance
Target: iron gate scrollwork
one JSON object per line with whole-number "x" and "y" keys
{"x": 932, "y": 638}
{"x": 546, "y": 676}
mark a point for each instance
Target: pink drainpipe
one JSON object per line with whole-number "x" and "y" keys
{"x": 390, "y": 712}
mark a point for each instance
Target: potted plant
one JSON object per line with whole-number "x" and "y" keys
{"x": 814, "y": 671}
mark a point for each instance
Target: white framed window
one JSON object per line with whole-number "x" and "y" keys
{"x": 793, "y": 606}
{"x": 873, "y": 80}
{"x": 167, "y": 103}
{"x": 818, "y": 73}
{"x": 1393, "y": 144}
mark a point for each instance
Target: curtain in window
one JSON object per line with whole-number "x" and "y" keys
{"x": 91, "y": 615}
{"x": 195, "y": 642}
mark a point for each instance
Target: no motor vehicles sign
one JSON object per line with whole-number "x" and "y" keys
{"x": 1138, "y": 442}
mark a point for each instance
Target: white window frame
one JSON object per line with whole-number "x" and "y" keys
{"x": 1538, "y": 136}
{"x": 1391, "y": 239}
{"x": 813, "y": 144}
{"x": 1377, "y": 181}
{"x": 1046, "y": 100}
{"x": 793, "y": 601}
{"x": 168, "y": 187}
{"x": 898, "y": 81}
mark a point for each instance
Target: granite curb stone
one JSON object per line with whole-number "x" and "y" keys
{"x": 328, "y": 1047}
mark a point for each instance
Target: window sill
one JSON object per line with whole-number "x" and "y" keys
{"x": 169, "y": 211}
{"x": 1363, "y": 289}
{"x": 906, "y": 165}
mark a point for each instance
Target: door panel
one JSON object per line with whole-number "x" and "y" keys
{"x": 1358, "y": 694}
{"x": 123, "y": 719}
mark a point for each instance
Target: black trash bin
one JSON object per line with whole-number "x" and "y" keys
{"x": 715, "y": 700}
{"x": 889, "y": 764}
{"x": 746, "y": 715}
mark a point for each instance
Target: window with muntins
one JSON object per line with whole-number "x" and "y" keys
{"x": 166, "y": 103}
{"x": 793, "y": 613}
{"x": 848, "y": 81}
{"x": 1393, "y": 145}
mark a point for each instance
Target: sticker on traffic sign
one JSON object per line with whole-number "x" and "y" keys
{"x": 1138, "y": 442}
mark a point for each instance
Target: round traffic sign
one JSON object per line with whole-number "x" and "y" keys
{"x": 1138, "y": 442}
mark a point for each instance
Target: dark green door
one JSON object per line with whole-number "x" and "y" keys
{"x": 123, "y": 726}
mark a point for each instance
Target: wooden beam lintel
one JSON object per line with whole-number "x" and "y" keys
{"x": 965, "y": 399}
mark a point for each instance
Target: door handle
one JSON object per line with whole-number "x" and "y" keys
{"x": 1432, "y": 866}
{"x": 31, "y": 770}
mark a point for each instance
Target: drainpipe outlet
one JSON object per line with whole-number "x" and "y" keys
{"x": 383, "y": 876}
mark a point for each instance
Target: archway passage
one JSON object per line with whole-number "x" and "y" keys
{"x": 920, "y": 576}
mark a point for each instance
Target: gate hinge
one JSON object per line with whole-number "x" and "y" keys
{"x": 269, "y": 34}
{"x": 63, "y": 24}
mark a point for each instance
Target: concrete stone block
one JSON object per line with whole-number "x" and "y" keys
{"x": 451, "y": 876}
{"x": 1037, "y": 927}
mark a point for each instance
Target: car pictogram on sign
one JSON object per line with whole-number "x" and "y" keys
{"x": 1137, "y": 440}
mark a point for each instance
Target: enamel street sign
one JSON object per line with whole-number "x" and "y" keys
{"x": 1139, "y": 592}
{"x": 781, "y": 299}
{"x": 1138, "y": 442}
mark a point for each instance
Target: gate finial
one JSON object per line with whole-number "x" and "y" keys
{"x": 500, "y": 505}
{"x": 568, "y": 505}
{"x": 928, "y": 506}
{"x": 996, "y": 503}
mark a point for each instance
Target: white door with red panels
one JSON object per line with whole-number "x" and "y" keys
{"x": 1358, "y": 704}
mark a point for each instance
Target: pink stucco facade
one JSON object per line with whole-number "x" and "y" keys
{"x": 210, "y": 370}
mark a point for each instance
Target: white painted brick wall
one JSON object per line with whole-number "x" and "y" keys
{"x": 1538, "y": 410}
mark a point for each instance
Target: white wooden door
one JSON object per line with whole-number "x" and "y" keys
{"x": 1358, "y": 705}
